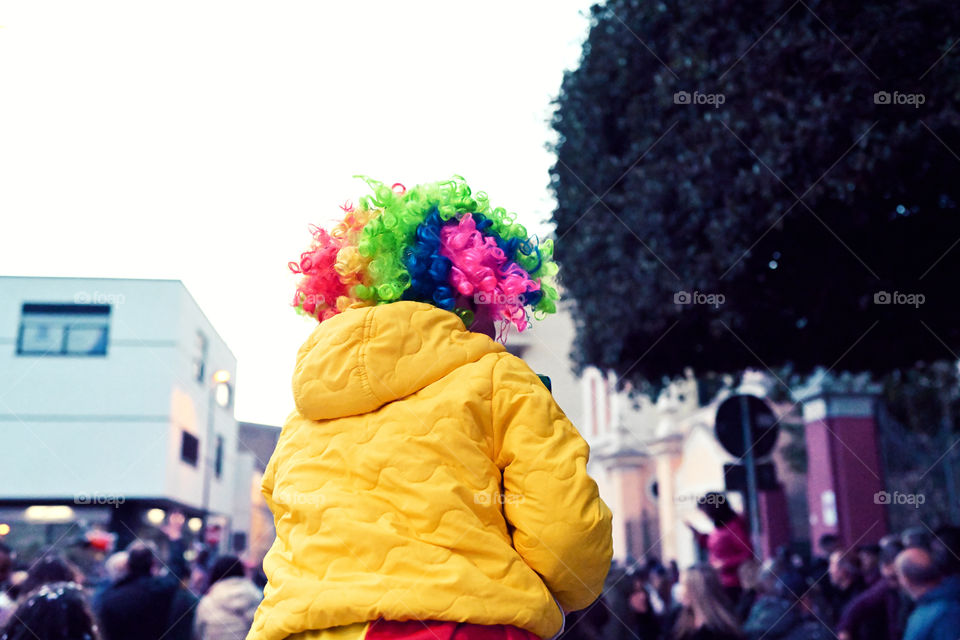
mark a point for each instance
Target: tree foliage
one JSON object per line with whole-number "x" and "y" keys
{"x": 800, "y": 199}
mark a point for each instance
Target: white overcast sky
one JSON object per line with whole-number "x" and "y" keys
{"x": 197, "y": 140}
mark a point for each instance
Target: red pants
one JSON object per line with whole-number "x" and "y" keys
{"x": 433, "y": 630}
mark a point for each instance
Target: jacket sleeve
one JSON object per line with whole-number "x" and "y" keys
{"x": 561, "y": 527}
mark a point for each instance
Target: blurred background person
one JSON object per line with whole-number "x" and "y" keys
{"x": 705, "y": 612}
{"x": 115, "y": 569}
{"x": 820, "y": 562}
{"x": 875, "y": 613}
{"x": 868, "y": 556}
{"x": 937, "y": 612}
{"x": 728, "y": 545}
{"x": 844, "y": 584}
{"x": 56, "y": 611}
{"x": 226, "y": 611}
{"x": 784, "y": 610}
{"x": 646, "y": 623}
{"x": 51, "y": 567}
{"x": 141, "y": 605}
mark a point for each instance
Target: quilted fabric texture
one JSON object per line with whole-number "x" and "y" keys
{"x": 426, "y": 474}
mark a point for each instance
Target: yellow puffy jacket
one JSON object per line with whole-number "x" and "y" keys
{"x": 426, "y": 474}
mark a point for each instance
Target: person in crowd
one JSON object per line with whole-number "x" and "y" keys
{"x": 51, "y": 567}
{"x": 646, "y": 623}
{"x": 613, "y": 619}
{"x": 659, "y": 585}
{"x": 226, "y": 611}
{"x": 868, "y": 556}
{"x": 845, "y": 583}
{"x": 590, "y": 623}
{"x": 728, "y": 545}
{"x": 139, "y": 605}
{"x": 784, "y": 609}
{"x": 54, "y": 611}
{"x": 453, "y": 491}
{"x": 937, "y": 612}
{"x": 705, "y": 613}
{"x": 749, "y": 575}
{"x": 875, "y": 613}
{"x": 819, "y": 565}
{"x": 114, "y": 569}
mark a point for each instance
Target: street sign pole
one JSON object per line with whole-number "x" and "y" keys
{"x": 751, "y": 473}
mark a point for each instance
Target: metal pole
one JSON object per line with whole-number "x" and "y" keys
{"x": 753, "y": 504}
{"x": 207, "y": 457}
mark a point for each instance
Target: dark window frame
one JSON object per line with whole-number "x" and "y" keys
{"x": 189, "y": 448}
{"x": 32, "y": 314}
{"x": 218, "y": 459}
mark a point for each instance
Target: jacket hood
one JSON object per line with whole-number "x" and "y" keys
{"x": 361, "y": 359}
{"x": 235, "y": 596}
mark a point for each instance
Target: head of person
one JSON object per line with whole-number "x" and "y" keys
{"x": 703, "y": 602}
{"x": 660, "y": 578}
{"x": 916, "y": 571}
{"x": 890, "y": 548}
{"x": 915, "y": 537}
{"x": 769, "y": 578}
{"x": 749, "y": 574}
{"x": 869, "y": 557}
{"x": 715, "y": 506}
{"x": 226, "y": 567}
{"x": 844, "y": 569}
{"x": 142, "y": 559}
{"x": 50, "y": 568}
{"x": 438, "y": 243}
{"x": 116, "y": 566}
{"x": 55, "y": 611}
{"x": 639, "y": 598}
{"x": 945, "y": 548}
{"x": 828, "y": 543}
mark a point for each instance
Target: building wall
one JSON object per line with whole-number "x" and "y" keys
{"x": 110, "y": 425}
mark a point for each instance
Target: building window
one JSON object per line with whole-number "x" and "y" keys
{"x": 189, "y": 449}
{"x": 218, "y": 462}
{"x": 63, "y": 329}
{"x": 199, "y": 356}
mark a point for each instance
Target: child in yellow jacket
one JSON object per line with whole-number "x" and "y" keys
{"x": 427, "y": 486}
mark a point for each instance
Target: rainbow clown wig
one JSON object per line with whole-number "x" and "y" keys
{"x": 438, "y": 243}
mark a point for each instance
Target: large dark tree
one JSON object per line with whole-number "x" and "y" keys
{"x": 799, "y": 199}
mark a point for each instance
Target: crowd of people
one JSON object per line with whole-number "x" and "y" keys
{"x": 906, "y": 587}
{"x": 142, "y": 595}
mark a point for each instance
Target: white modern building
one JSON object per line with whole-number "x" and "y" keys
{"x": 116, "y": 407}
